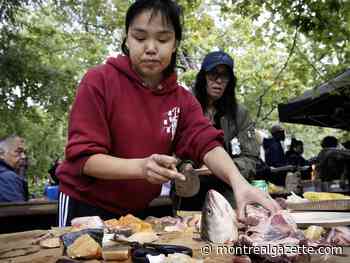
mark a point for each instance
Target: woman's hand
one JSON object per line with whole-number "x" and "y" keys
{"x": 160, "y": 168}
{"x": 247, "y": 194}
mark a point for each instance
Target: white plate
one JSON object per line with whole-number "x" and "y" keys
{"x": 321, "y": 218}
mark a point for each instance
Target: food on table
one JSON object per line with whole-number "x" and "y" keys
{"x": 219, "y": 225}
{"x": 116, "y": 253}
{"x": 174, "y": 258}
{"x": 219, "y": 220}
{"x": 69, "y": 238}
{"x": 87, "y": 222}
{"x": 52, "y": 242}
{"x": 339, "y": 236}
{"x": 84, "y": 247}
{"x": 122, "y": 230}
{"x": 277, "y": 230}
{"x": 45, "y": 236}
{"x": 241, "y": 259}
{"x": 273, "y": 189}
{"x": 166, "y": 223}
{"x": 282, "y": 202}
{"x": 139, "y": 237}
{"x": 318, "y": 196}
{"x": 136, "y": 224}
{"x": 314, "y": 232}
{"x": 293, "y": 198}
{"x": 175, "y": 224}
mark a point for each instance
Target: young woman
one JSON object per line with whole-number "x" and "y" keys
{"x": 215, "y": 90}
{"x": 129, "y": 117}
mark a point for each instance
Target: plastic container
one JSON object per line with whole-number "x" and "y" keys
{"x": 52, "y": 192}
{"x": 261, "y": 184}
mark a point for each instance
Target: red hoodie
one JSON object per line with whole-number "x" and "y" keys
{"x": 114, "y": 113}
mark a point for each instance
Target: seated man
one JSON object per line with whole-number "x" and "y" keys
{"x": 12, "y": 153}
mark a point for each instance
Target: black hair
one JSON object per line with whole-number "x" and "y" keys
{"x": 226, "y": 105}
{"x": 294, "y": 143}
{"x": 169, "y": 10}
{"x": 329, "y": 141}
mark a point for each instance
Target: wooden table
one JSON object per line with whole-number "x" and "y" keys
{"x": 22, "y": 243}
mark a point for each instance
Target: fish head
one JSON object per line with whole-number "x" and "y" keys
{"x": 219, "y": 220}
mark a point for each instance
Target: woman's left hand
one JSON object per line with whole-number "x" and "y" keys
{"x": 246, "y": 194}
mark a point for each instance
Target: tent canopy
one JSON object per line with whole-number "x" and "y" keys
{"x": 327, "y": 105}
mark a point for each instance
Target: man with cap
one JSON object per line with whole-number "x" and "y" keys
{"x": 274, "y": 152}
{"x": 215, "y": 90}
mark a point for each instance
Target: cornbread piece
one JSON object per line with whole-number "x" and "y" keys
{"x": 116, "y": 253}
{"x": 50, "y": 242}
{"x": 84, "y": 247}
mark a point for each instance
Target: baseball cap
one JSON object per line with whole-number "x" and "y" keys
{"x": 215, "y": 58}
{"x": 276, "y": 128}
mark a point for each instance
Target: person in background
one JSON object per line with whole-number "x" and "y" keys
{"x": 329, "y": 142}
{"x": 326, "y": 167}
{"x": 12, "y": 154}
{"x": 274, "y": 153}
{"x": 294, "y": 156}
{"x": 260, "y": 136}
{"x": 53, "y": 179}
{"x": 215, "y": 89}
{"x": 263, "y": 171}
{"x": 130, "y": 116}
{"x": 22, "y": 171}
{"x": 51, "y": 189}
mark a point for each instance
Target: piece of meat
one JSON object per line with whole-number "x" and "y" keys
{"x": 282, "y": 202}
{"x": 275, "y": 227}
{"x": 86, "y": 222}
{"x": 241, "y": 259}
{"x": 272, "y": 232}
{"x": 339, "y": 235}
{"x": 255, "y": 214}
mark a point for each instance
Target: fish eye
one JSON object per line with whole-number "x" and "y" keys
{"x": 209, "y": 212}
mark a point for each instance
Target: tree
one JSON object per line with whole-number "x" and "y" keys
{"x": 280, "y": 48}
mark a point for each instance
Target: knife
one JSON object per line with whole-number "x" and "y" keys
{"x": 201, "y": 171}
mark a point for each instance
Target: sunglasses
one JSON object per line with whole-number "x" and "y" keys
{"x": 214, "y": 75}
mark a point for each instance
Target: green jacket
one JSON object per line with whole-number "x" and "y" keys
{"x": 244, "y": 130}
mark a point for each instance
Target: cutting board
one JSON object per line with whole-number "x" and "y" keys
{"x": 327, "y": 219}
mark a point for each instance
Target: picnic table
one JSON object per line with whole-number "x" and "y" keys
{"x": 18, "y": 248}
